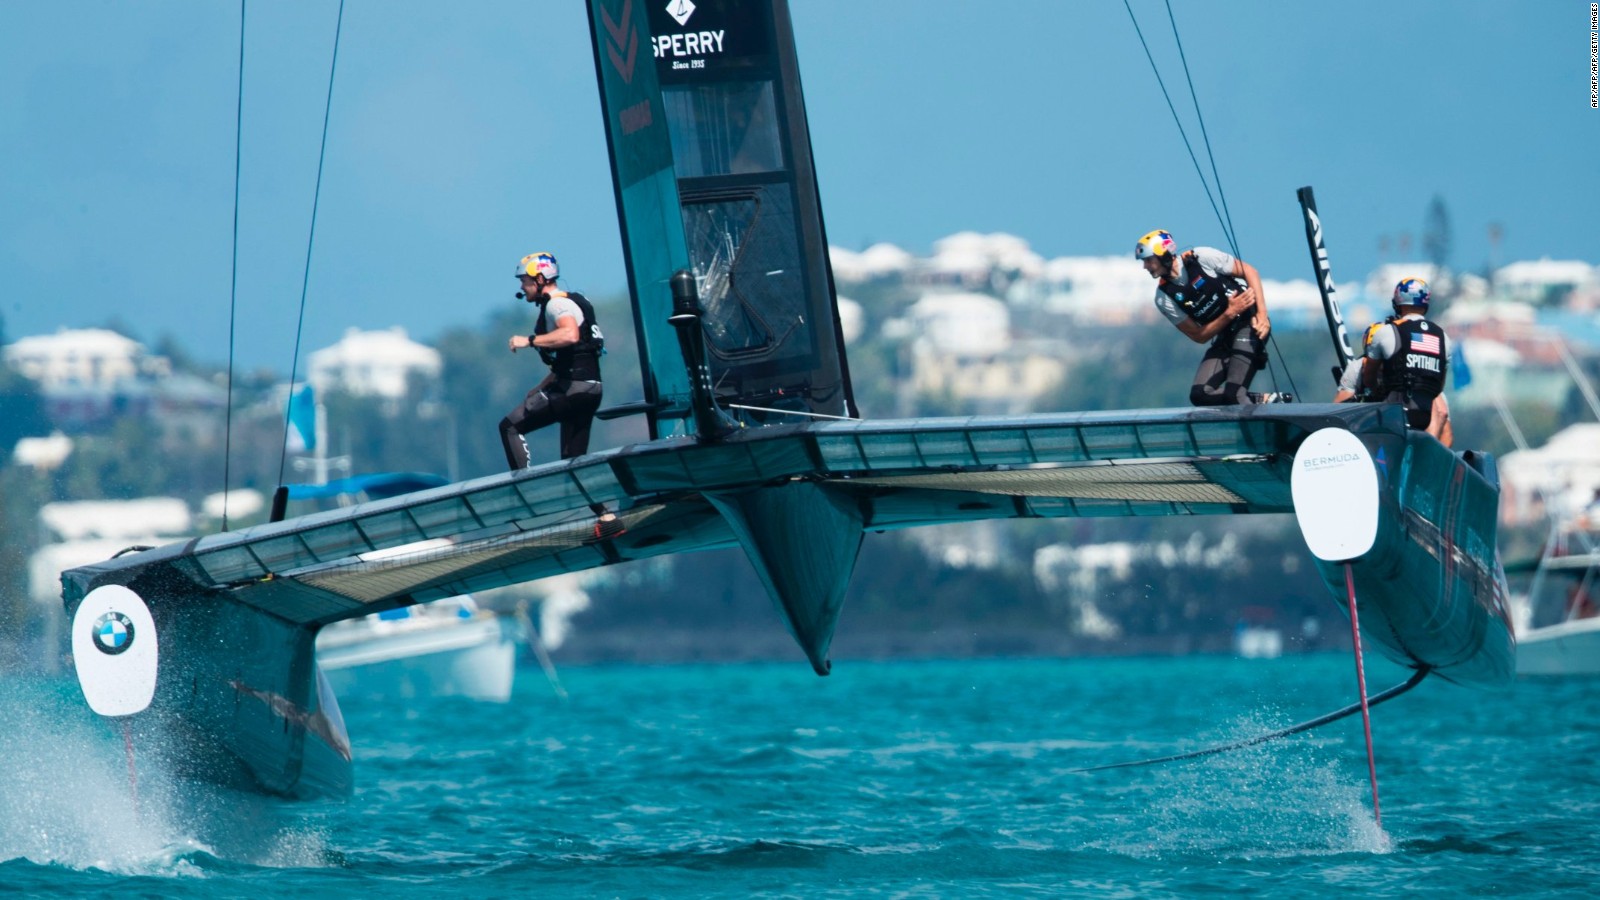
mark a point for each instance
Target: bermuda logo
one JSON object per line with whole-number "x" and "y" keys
{"x": 680, "y": 10}
{"x": 1327, "y": 462}
{"x": 113, "y": 633}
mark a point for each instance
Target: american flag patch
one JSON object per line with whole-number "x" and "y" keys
{"x": 1425, "y": 343}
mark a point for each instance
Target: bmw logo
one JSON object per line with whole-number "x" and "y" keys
{"x": 113, "y": 633}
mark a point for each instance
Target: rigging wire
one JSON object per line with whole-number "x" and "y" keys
{"x": 233, "y": 292}
{"x": 1319, "y": 721}
{"x": 1227, "y": 226}
{"x": 316, "y": 197}
{"x": 1174, "y": 110}
{"x": 1225, "y": 221}
{"x": 1233, "y": 236}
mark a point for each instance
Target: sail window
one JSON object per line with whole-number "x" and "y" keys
{"x": 723, "y": 129}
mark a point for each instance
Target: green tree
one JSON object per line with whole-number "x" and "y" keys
{"x": 22, "y": 412}
{"x": 21, "y": 496}
{"x": 1436, "y": 243}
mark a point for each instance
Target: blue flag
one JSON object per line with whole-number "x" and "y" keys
{"x": 1458, "y": 365}
{"x": 302, "y": 437}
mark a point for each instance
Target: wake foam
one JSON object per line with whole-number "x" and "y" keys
{"x": 70, "y": 800}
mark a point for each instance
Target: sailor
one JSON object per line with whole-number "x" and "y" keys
{"x": 1201, "y": 294}
{"x": 569, "y": 341}
{"x": 1404, "y": 360}
{"x": 1350, "y": 389}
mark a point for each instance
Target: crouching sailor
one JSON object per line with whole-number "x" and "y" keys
{"x": 569, "y": 341}
{"x": 1405, "y": 361}
{"x": 1211, "y": 296}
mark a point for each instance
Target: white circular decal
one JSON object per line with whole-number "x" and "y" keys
{"x": 1335, "y": 488}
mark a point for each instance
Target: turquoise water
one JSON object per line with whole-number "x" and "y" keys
{"x": 937, "y": 779}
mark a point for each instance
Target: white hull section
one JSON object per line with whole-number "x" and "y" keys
{"x": 421, "y": 657}
{"x": 1570, "y": 648}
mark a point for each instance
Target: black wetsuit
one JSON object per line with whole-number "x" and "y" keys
{"x": 1235, "y": 354}
{"x": 570, "y": 394}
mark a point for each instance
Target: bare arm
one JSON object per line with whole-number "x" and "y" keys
{"x": 1349, "y": 381}
{"x": 1439, "y": 424}
{"x": 565, "y": 335}
{"x": 1259, "y": 321}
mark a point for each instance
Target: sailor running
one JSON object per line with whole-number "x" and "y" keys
{"x": 569, "y": 341}
{"x": 1211, "y": 296}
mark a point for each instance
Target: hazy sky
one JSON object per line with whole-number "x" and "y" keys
{"x": 468, "y": 133}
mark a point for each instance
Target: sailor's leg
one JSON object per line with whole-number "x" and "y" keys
{"x": 1224, "y": 376}
{"x": 512, "y": 442}
{"x": 576, "y": 410}
{"x": 1247, "y": 356}
{"x": 1211, "y": 387}
{"x": 533, "y": 413}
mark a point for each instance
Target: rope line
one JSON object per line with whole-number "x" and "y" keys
{"x": 233, "y": 291}
{"x": 1319, "y": 721}
{"x": 316, "y": 198}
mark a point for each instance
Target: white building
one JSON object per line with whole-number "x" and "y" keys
{"x": 961, "y": 324}
{"x": 42, "y": 453}
{"x": 961, "y": 347}
{"x": 1091, "y": 290}
{"x": 1549, "y": 282}
{"x": 87, "y": 375}
{"x": 115, "y": 519}
{"x": 876, "y": 262}
{"x": 373, "y": 363}
{"x": 974, "y": 260}
{"x": 92, "y": 358}
{"x": 1560, "y": 480}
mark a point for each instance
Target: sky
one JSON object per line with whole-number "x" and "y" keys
{"x": 464, "y": 135}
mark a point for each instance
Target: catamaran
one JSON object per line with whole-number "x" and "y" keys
{"x": 756, "y": 442}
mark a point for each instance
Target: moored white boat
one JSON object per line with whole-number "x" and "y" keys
{"x": 1572, "y": 646}
{"x": 1568, "y": 648}
{"x": 446, "y": 648}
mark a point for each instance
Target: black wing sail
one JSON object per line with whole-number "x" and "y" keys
{"x": 751, "y": 217}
